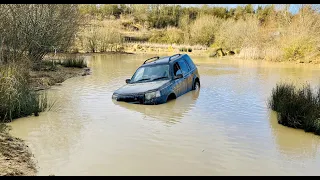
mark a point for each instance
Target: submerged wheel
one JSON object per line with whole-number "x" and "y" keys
{"x": 171, "y": 97}
{"x": 196, "y": 86}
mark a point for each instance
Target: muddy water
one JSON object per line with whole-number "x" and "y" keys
{"x": 225, "y": 129}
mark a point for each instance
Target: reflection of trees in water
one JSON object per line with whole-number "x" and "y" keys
{"x": 294, "y": 143}
{"x": 170, "y": 112}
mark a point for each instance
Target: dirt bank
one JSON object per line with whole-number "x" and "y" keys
{"x": 15, "y": 156}
{"x": 43, "y": 79}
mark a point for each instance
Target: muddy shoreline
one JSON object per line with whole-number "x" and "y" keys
{"x": 42, "y": 80}
{"x": 16, "y": 159}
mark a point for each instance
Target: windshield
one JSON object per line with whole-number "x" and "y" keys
{"x": 150, "y": 73}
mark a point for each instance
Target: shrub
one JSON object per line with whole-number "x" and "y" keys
{"x": 238, "y": 34}
{"x": 204, "y": 29}
{"x": 17, "y": 98}
{"x": 297, "y": 108}
{"x": 77, "y": 62}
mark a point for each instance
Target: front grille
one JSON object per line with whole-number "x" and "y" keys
{"x": 132, "y": 98}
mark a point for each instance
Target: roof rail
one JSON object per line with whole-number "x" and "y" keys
{"x": 151, "y": 59}
{"x": 173, "y": 56}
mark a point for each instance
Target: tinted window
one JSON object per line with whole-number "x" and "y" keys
{"x": 176, "y": 69}
{"x": 189, "y": 61}
{"x": 184, "y": 67}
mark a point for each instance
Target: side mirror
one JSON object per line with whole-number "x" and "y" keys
{"x": 127, "y": 81}
{"x": 178, "y": 76}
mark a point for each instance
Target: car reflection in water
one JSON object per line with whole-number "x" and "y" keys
{"x": 170, "y": 112}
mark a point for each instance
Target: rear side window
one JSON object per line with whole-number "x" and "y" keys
{"x": 184, "y": 67}
{"x": 176, "y": 69}
{"x": 189, "y": 61}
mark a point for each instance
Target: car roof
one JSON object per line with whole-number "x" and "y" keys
{"x": 163, "y": 60}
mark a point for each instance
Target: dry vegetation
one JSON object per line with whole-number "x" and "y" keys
{"x": 271, "y": 32}
{"x": 28, "y": 32}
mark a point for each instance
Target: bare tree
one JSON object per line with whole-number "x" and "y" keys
{"x": 37, "y": 29}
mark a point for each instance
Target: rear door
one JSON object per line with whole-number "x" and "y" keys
{"x": 187, "y": 78}
{"x": 193, "y": 69}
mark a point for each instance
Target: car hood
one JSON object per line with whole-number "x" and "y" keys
{"x": 140, "y": 87}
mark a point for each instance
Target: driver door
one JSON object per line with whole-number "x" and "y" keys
{"x": 180, "y": 84}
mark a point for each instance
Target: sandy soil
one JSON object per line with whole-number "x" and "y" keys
{"x": 16, "y": 158}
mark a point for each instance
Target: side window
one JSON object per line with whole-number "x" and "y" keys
{"x": 189, "y": 61}
{"x": 176, "y": 69}
{"x": 184, "y": 67}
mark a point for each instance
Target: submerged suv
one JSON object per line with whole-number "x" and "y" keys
{"x": 160, "y": 79}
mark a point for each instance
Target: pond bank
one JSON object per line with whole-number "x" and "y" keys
{"x": 167, "y": 49}
{"x": 42, "y": 80}
{"x": 16, "y": 159}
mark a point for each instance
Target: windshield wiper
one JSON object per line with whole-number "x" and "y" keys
{"x": 142, "y": 79}
{"x": 159, "y": 78}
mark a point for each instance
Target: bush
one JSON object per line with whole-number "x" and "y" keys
{"x": 36, "y": 29}
{"x": 204, "y": 29}
{"x": 17, "y": 98}
{"x": 297, "y": 108}
{"x": 171, "y": 35}
{"x": 298, "y": 48}
{"x": 237, "y": 34}
{"x": 157, "y": 36}
{"x": 100, "y": 37}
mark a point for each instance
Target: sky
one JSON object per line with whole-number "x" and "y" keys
{"x": 293, "y": 8}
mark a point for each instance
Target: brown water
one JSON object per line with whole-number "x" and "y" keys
{"x": 225, "y": 129}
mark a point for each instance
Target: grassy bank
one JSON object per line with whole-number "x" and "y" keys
{"x": 20, "y": 97}
{"x": 17, "y": 96}
{"x": 297, "y": 107}
{"x": 19, "y": 85}
{"x": 57, "y": 70}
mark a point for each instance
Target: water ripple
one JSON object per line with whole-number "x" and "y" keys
{"x": 225, "y": 129}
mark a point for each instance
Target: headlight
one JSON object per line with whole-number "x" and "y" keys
{"x": 114, "y": 96}
{"x": 152, "y": 95}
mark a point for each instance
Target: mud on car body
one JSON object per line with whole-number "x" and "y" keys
{"x": 160, "y": 79}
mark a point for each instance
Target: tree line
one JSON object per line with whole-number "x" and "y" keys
{"x": 161, "y": 15}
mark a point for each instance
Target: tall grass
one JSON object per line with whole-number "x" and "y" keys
{"x": 17, "y": 97}
{"x": 69, "y": 61}
{"x": 77, "y": 62}
{"x": 297, "y": 107}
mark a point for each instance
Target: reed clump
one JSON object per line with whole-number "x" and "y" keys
{"x": 297, "y": 107}
{"x": 17, "y": 97}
